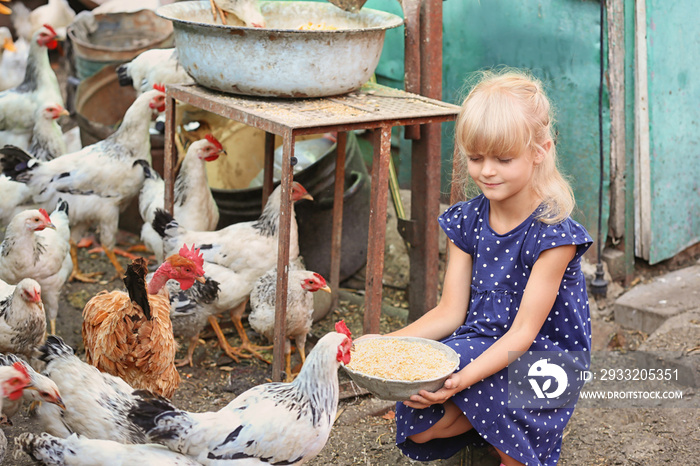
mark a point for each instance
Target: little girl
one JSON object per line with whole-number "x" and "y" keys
{"x": 513, "y": 283}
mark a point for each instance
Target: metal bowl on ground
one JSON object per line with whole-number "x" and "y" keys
{"x": 401, "y": 390}
{"x": 280, "y": 60}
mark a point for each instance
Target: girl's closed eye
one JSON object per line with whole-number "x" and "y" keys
{"x": 505, "y": 160}
{"x": 474, "y": 158}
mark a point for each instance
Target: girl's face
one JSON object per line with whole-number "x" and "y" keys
{"x": 503, "y": 177}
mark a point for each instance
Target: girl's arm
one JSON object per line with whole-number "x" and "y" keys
{"x": 451, "y": 311}
{"x": 538, "y": 299}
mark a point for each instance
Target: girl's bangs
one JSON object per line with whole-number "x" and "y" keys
{"x": 493, "y": 127}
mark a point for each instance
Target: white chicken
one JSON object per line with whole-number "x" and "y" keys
{"x": 37, "y": 246}
{"x": 40, "y": 85}
{"x": 248, "y": 11}
{"x": 84, "y": 391}
{"x": 40, "y": 388}
{"x": 272, "y": 423}
{"x": 81, "y": 451}
{"x": 300, "y": 308}
{"x": 248, "y": 248}
{"x": 195, "y": 208}
{"x": 13, "y": 61}
{"x": 98, "y": 181}
{"x": 22, "y": 319}
{"x": 151, "y": 67}
{"x": 47, "y": 140}
{"x": 57, "y": 13}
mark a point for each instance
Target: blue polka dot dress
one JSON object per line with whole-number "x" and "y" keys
{"x": 501, "y": 268}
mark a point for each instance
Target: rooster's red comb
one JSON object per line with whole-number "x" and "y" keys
{"x": 50, "y": 28}
{"x": 19, "y": 367}
{"x": 45, "y": 214}
{"x": 195, "y": 256}
{"x": 340, "y": 327}
{"x": 320, "y": 278}
{"x": 159, "y": 87}
{"x": 213, "y": 140}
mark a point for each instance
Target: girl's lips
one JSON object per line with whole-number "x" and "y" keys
{"x": 491, "y": 185}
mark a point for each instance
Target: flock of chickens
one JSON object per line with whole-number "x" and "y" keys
{"x": 112, "y": 407}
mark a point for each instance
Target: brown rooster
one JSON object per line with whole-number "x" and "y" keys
{"x": 131, "y": 335}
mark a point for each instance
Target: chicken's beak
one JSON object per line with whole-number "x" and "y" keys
{"x": 308, "y": 197}
{"x": 326, "y": 288}
{"x": 4, "y": 10}
{"x": 64, "y": 112}
{"x": 50, "y": 225}
{"x": 201, "y": 279}
{"x": 59, "y": 403}
{"x": 8, "y": 44}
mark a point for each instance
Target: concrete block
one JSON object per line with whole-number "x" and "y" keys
{"x": 647, "y": 306}
{"x": 615, "y": 260}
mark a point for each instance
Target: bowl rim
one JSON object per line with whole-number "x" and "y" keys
{"x": 451, "y": 354}
{"x": 393, "y": 20}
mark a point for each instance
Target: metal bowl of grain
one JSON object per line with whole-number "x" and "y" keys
{"x": 394, "y": 368}
{"x": 306, "y": 49}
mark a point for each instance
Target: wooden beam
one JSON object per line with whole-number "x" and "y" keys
{"x": 642, "y": 187}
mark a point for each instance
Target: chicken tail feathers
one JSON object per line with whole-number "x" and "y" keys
{"x": 135, "y": 282}
{"x": 43, "y": 448}
{"x": 162, "y": 222}
{"x": 16, "y": 163}
{"x": 54, "y": 348}
{"x": 159, "y": 418}
{"x": 124, "y": 76}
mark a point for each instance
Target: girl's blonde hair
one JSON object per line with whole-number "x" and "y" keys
{"x": 505, "y": 113}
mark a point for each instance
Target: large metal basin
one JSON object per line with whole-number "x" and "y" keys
{"x": 280, "y": 60}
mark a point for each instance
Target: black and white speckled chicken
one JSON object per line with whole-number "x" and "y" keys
{"x": 82, "y": 451}
{"x": 96, "y": 403}
{"x": 300, "y": 308}
{"x": 22, "y": 318}
{"x": 272, "y": 423}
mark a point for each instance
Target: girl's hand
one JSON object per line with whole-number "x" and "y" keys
{"x": 426, "y": 398}
{"x": 367, "y": 336}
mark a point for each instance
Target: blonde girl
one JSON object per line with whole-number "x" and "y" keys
{"x": 513, "y": 286}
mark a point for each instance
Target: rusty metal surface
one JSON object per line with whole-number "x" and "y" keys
{"x": 281, "y": 60}
{"x": 372, "y": 104}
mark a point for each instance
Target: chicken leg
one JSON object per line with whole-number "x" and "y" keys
{"x": 231, "y": 352}
{"x": 236, "y": 318}
{"x": 76, "y": 274}
{"x": 190, "y": 353}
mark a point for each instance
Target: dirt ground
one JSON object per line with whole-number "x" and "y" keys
{"x": 364, "y": 430}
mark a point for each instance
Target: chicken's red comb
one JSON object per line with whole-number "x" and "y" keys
{"x": 323, "y": 280}
{"x": 213, "y": 140}
{"x": 22, "y": 369}
{"x": 53, "y": 31}
{"x": 195, "y": 256}
{"x": 340, "y": 327}
{"x": 159, "y": 87}
{"x": 45, "y": 214}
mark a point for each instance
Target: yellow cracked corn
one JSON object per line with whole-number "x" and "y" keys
{"x": 399, "y": 360}
{"x": 317, "y": 27}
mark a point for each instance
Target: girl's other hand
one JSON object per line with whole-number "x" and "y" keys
{"x": 425, "y": 398}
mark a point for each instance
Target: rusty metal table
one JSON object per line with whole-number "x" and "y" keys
{"x": 373, "y": 107}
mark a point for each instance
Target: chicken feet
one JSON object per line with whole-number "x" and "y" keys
{"x": 190, "y": 353}
{"x": 76, "y": 274}
{"x": 232, "y": 352}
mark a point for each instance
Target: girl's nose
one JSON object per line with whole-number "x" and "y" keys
{"x": 489, "y": 168}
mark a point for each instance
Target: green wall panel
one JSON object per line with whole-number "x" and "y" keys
{"x": 673, "y": 51}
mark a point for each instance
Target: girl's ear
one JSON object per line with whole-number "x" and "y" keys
{"x": 542, "y": 151}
